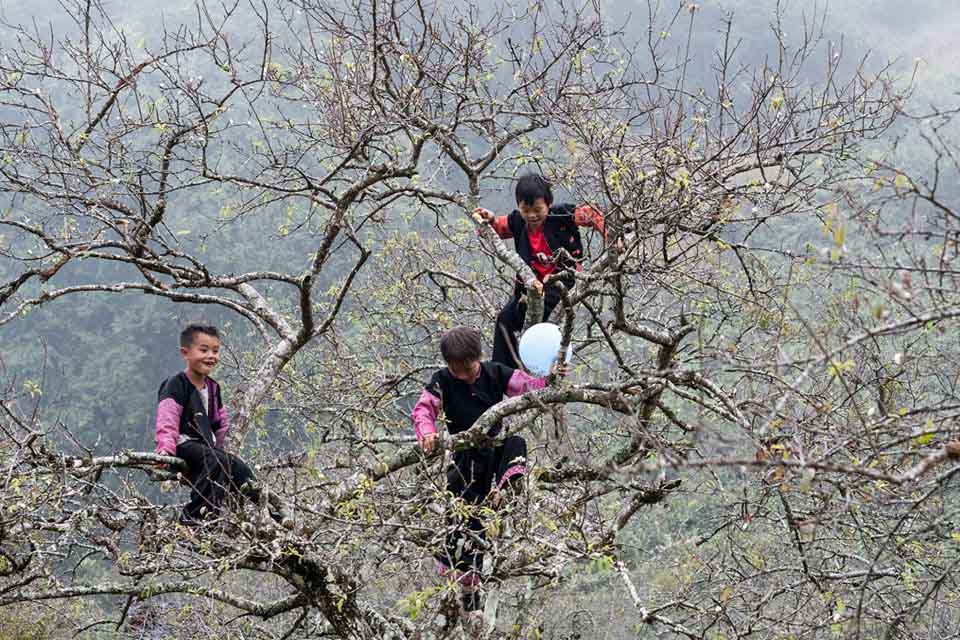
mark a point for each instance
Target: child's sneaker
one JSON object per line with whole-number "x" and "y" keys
{"x": 473, "y": 623}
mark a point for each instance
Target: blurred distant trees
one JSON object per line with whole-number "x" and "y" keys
{"x": 764, "y": 340}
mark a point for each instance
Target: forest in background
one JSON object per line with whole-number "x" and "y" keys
{"x": 92, "y": 362}
{"x": 127, "y": 344}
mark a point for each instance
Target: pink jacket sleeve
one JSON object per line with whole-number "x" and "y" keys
{"x": 521, "y": 382}
{"x": 168, "y": 426}
{"x": 221, "y": 433}
{"x": 425, "y": 414}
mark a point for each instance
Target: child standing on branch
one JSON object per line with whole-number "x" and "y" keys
{"x": 461, "y": 392}
{"x": 192, "y": 424}
{"x": 539, "y": 231}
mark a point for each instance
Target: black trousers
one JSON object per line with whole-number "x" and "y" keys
{"x": 510, "y": 321}
{"x": 212, "y": 473}
{"x": 473, "y": 474}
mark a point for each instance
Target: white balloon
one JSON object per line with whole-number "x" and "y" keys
{"x": 538, "y": 347}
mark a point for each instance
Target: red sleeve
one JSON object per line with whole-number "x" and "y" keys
{"x": 589, "y": 216}
{"x": 501, "y": 226}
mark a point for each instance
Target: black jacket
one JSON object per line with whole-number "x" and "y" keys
{"x": 180, "y": 412}
{"x": 559, "y": 229}
{"x": 463, "y": 403}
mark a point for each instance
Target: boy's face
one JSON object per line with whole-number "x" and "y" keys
{"x": 465, "y": 371}
{"x": 202, "y": 355}
{"x": 534, "y": 214}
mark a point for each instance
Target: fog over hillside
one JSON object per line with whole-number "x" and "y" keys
{"x": 889, "y": 29}
{"x": 921, "y": 35}
{"x": 758, "y": 435}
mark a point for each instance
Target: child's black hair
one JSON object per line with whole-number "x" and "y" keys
{"x": 532, "y": 186}
{"x": 186, "y": 336}
{"x": 461, "y": 345}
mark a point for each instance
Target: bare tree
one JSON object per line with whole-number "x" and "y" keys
{"x": 763, "y": 326}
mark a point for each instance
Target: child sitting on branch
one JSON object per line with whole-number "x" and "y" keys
{"x": 192, "y": 424}
{"x": 547, "y": 238}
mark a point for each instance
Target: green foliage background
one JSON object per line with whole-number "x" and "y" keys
{"x": 100, "y": 358}
{"x": 105, "y": 355}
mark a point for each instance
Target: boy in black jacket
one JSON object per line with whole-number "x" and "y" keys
{"x": 539, "y": 231}
{"x": 192, "y": 424}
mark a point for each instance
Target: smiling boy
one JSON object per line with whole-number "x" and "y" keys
{"x": 192, "y": 424}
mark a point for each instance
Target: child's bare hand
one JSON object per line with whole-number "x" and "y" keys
{"x": 560, "y": 369}
{"x": 483, "y": 215}
{"x": 538, "y": 286}
{"x": 429, "y": 443}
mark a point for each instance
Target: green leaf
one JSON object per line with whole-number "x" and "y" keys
{"x": 836, "y": 369}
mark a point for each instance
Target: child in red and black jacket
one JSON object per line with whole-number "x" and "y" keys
{"x": 192, "y": 424}
{"x": 539, "y": 231}
{"x": 462, "y": 392}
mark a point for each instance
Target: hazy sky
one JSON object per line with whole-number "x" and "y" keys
{"x": 888, "y": 29}
{"x": 916, "y": 29}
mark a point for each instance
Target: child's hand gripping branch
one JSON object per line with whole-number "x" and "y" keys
{"x": 559, "y": 370}
{"x": 482, "y": 215}
{"x": 428, "y": 442}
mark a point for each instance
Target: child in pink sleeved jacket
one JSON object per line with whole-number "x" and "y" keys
{"x": 192, "y": 424}
{"x": 462, "y": 392}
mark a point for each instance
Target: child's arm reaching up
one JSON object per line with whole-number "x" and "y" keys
{"x": 499, "y": 223}
{"x": 424, "y": 415}
{"x": 587, "y": 215}
{"x": 522, "y": 382}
